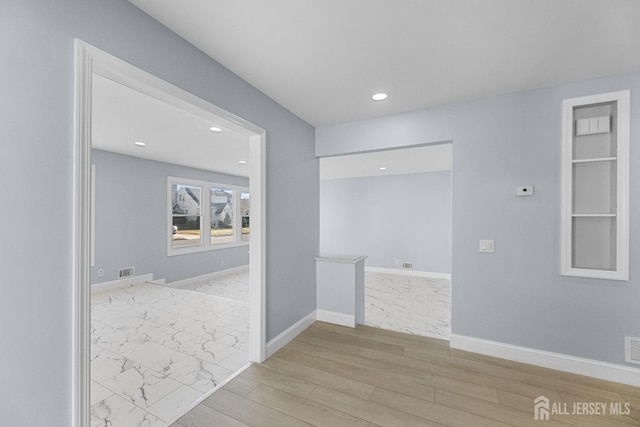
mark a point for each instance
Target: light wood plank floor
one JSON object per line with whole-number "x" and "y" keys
{"x": 337, "y": 376}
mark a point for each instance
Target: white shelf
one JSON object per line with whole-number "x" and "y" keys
{"x": 598, "y": 159}
{"x": 593, "y": 215}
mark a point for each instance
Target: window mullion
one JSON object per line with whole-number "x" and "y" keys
{"x": 237, "y": 218}
{"x": 206, "y": 216}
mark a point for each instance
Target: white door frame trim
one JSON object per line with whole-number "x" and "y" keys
{"x": 90, "y": 60}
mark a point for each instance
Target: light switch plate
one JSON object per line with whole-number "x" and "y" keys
{"x": 487, "y": 246}
{"x": 593, "y": 125}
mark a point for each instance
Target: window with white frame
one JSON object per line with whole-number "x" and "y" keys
{"x": 202, "y": 216}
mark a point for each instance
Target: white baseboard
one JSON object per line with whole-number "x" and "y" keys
{"x": 191, "y": 280}
{"x": 401, "y": 272}
{"x": 290, "y": 333}
{"x": 121, "y": 282}
{"x": 337, "y": 318}
{"x": 562, "y": 362}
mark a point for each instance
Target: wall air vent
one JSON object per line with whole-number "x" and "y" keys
{"x": 126, "y": 272}
{"x": 407, "y": 266}
{"x": 632, "y": 350}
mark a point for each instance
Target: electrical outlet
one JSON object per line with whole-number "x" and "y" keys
{"x": 222, "y": 263}
{"x": 100, "y": 272}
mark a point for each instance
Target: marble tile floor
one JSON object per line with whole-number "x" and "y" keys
{"x": 409, "y": 304}
{"x": 157, "y": 350}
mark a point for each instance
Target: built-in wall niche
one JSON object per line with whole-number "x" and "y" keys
{"x": 595, "y": 192}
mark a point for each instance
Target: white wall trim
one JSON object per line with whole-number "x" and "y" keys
{"x": 93, "y": 216}
{"x": 204, "y": 277}
{"x": 258, "y": 246}
{"x": 290, "y": 333}
{"x": 119, "y": 283}
{"x": 562, "y": 362}
{"x": 81, "y": 236}
{"x": 336, "y": 318}
{"x": 89, "y": 60}
{"x": 401, "y": 272}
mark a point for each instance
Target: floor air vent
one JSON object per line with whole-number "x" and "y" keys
{"x": 632, "y": 350}
{"x": 126, "y": 272}
{"x": 407, "y": 266}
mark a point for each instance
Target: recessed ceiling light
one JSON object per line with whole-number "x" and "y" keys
{"x": 215, "y": 129}
{"x": 139, "y": 143}
{"x": 380, "y": 96}
{"x": 242, "y": 162}
{"x": 383, "y": 168}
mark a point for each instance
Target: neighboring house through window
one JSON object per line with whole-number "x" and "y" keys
{"x": 197, "y": 206}
{"x": 244, "y": 212}
{"x": 222, "y": 215}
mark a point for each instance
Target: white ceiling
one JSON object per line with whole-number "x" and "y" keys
{"x": 322, "y": 59}
{"x": 122, "y": 116}
{"x": 428, "y": 158}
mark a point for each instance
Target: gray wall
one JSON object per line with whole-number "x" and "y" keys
{"x": 36, "y": 106}
{"x": 517, "y": 294}
{"x": 396, "y": 217}
{"x": 131, "y": 220}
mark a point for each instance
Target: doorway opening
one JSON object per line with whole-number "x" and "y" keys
{"x": 230, "y": 231}
{"x": 394, "y": 207}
